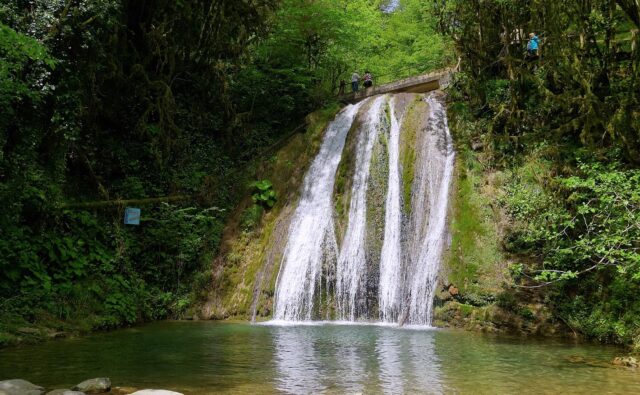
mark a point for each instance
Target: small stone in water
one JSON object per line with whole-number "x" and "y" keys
{"x": 155, "y": 392}
{"x": 94, "y": 386}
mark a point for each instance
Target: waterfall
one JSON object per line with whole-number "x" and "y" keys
{"x": 352, "y": 259}
{"x": 319, "y": 273}
{"x": 391, "y": 6}
{"x": 429, "y": 209}
{"x": 312, "y": 241}
{"x": 391, "y": 258}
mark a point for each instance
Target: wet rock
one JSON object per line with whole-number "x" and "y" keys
{"x": 94, "y": 386}
{"x": 629, "y": 362}
{"x": 20, "y": 387}
{"x": 64, "y": 392}
{"x": 592, "y": 362}
{"x": 453, "y": 291}
{"x": 156, "y": 392}
{"x": 576, "y": 359}
{"x": 444, "y": 296}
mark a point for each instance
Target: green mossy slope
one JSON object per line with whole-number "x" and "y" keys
{"x": 246, "y": 270}
{"x": 412, "y": 126}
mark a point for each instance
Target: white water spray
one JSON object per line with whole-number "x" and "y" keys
{"x": 391, "y": 256}
{"x": 412, "y": 247}
{"x": 429, "y": 212}
{"x": 312, "y": 239}
{"x": 352, "y": 260}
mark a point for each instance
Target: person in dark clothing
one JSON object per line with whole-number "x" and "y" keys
{"x": 368, "y": 79}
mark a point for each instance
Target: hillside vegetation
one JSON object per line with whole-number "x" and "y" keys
{"x": 169, "y": 106}
{"x": 549, "y": 160}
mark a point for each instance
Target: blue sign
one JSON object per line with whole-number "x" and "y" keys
{"x": 131, "y": 216}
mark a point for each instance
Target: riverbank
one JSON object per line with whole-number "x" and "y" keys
{"x": 88, "y": 387}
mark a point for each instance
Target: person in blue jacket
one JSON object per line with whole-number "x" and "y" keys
{"x": 533, "y": 45}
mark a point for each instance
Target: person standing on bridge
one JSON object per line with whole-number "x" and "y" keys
{"x": 355, "y": 81}
{"x": 368, "y": 79}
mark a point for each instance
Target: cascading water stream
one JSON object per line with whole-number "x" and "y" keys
{"x": 312, "y": 238}
{"x": 430, "y": 200}
{"x": 352, "y": 259}
{"x": 410, "y": 245}
{"x": 391, "y": 256}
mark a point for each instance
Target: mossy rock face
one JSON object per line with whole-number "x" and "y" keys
{"x": 245, "y": 271}
{"x": 413, "y": 125}
{"x": 475, "y": 262}
{"x": 376, "y": 202}
{"x": 345, "y": 172}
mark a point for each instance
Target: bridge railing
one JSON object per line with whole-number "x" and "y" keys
{"x": 398, "y": 85}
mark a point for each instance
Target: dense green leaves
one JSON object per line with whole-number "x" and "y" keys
{"x": 107, "y": 99}
{"x": 264, "y": 194}
{"x": 564, "y": 129}
{"x": 117, "y": 99}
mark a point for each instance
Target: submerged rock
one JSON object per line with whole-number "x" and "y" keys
{"x": 155, "y": 392}
{"x": 94, "y": 386}
{"x": 629, "y": 362}
{"x": 20, "y": 387}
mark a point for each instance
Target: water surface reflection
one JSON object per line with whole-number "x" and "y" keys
{"x": 356, "y": 359}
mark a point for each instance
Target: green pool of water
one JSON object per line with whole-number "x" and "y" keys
{"x": 210, "y": 357}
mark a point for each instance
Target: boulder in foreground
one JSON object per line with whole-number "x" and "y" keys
{"x": 20, "y": 387}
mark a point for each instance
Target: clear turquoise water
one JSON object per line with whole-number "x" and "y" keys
{"x": 210, "y": 357}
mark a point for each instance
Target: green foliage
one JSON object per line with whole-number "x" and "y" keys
{"x": 251, "y": 217}
{"x": 17, "y": 53}
{"x": 474, "y": 256}
{"x": 564, "y": 131}
{"x": 107, "y": 100}
{"x": 584, "y": 88}
{"x": 595, "y": 229}
{"x": 263, "y": 193}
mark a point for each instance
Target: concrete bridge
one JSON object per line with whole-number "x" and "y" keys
{"x": 418, "y": 84}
